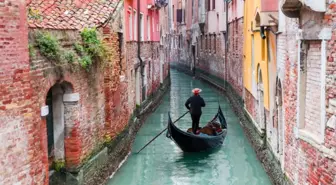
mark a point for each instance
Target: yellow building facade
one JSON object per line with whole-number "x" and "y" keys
{"x": 256, "y": 57}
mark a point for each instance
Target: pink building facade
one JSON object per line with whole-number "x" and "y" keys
{"x": 142, "y": 40}
{"x": 149, "y": 21}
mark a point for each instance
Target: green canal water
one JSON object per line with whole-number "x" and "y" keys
{"x": 163, "y": 163}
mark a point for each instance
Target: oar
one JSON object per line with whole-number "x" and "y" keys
{"x": 160, "y": 133}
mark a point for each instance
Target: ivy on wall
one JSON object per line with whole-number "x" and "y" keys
{"x": 86, "y": 52}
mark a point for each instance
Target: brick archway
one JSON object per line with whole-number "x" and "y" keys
{"x": 60, "y": 100}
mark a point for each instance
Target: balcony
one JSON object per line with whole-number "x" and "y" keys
{"x": 292, "y": 8}
{"x": 201, "y": 14}
{"x": 161, "y": 3}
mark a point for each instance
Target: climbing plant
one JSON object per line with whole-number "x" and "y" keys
{"x": 70, "y": 56}
{"x": 89, "y": 50}
{"x": 48, "y": 45}
{"x": 92, "y": 45}
{"x": 32, "y": 51}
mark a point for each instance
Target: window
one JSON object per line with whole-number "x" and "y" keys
{"x": 209, "y": 5}
{"x": 173, "y": 13}
{"x": 192, "y": 8}
{"x": 148, "y": 28}
{"x": 135, "y": 25}
{"x": 210, "y": 43}
{"x": 142, "y": 33}
{"x": 153, "y": 24}
{"x": 236, "y": 36}
{"x": 214, "y": 43}
{"x": 130, "y": 23}
{"x": 179, "y": 15}
{"x": 213, "y": 4}
{"x": 310, "y": 88}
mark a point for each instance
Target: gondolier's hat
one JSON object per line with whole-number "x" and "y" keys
{"x": 196, "y": 91}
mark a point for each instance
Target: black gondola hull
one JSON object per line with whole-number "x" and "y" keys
{"x": 189, "y": 142}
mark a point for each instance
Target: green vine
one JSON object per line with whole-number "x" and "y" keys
{"x": 32, "y": 51}
{"x": 92, "y": 45}
{"x": 70, "y": 56}
{"x": 48, "y": 45}
{"x": 85, "y": 53}
{"x": 85, "y": 62}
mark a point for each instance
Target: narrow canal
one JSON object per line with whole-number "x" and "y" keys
{"x": 163, "y": 163}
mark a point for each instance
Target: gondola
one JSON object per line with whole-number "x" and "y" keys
{"x": 189, "y": 142}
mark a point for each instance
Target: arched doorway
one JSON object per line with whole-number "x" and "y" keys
{"x": 261, "y": 109}
{"x": 55, "y": 122}
{"x": 50, "y": 128}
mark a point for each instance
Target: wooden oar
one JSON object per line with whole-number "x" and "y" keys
{"x": 161, "y": 133}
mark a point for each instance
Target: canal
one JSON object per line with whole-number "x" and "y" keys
{"x": 163, "y": 163}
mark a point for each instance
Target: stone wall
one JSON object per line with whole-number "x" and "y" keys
{"x": 21, "y": 130}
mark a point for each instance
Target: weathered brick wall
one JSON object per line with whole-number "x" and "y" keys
{"x": 117, "y": 110}
{"x": 235, "y": 55}
{"x": 150, "y": 54}
{"x": 306, "y": 162}
{"x": 153, "y": 69}
{"x": 211, "y": 55}
{"x": 21, "y": 129}
{"x": 86, "y": 133}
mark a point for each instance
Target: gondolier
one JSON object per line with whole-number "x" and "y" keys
{"x": 194, "y": 104}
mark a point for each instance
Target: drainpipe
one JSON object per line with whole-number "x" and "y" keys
{"x": 262, "y": 32}
{"x": 226, "y": 39}
{"x": 139, "y": 56}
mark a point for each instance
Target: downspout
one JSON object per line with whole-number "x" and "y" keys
{"x": 226, "y": 41}
{"x": 139, "y": 56}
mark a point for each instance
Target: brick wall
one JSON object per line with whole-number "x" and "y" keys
{"x": 235, "y": 55}
{"x": 21, "y": 129}
{"x": 211, "y": 54}
{"x": 150, "y": 54}
{"x": 307, "y": 162}
{"x": 94, "y": 117}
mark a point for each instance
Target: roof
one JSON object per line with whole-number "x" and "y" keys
{"x": 69, "y": 14}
